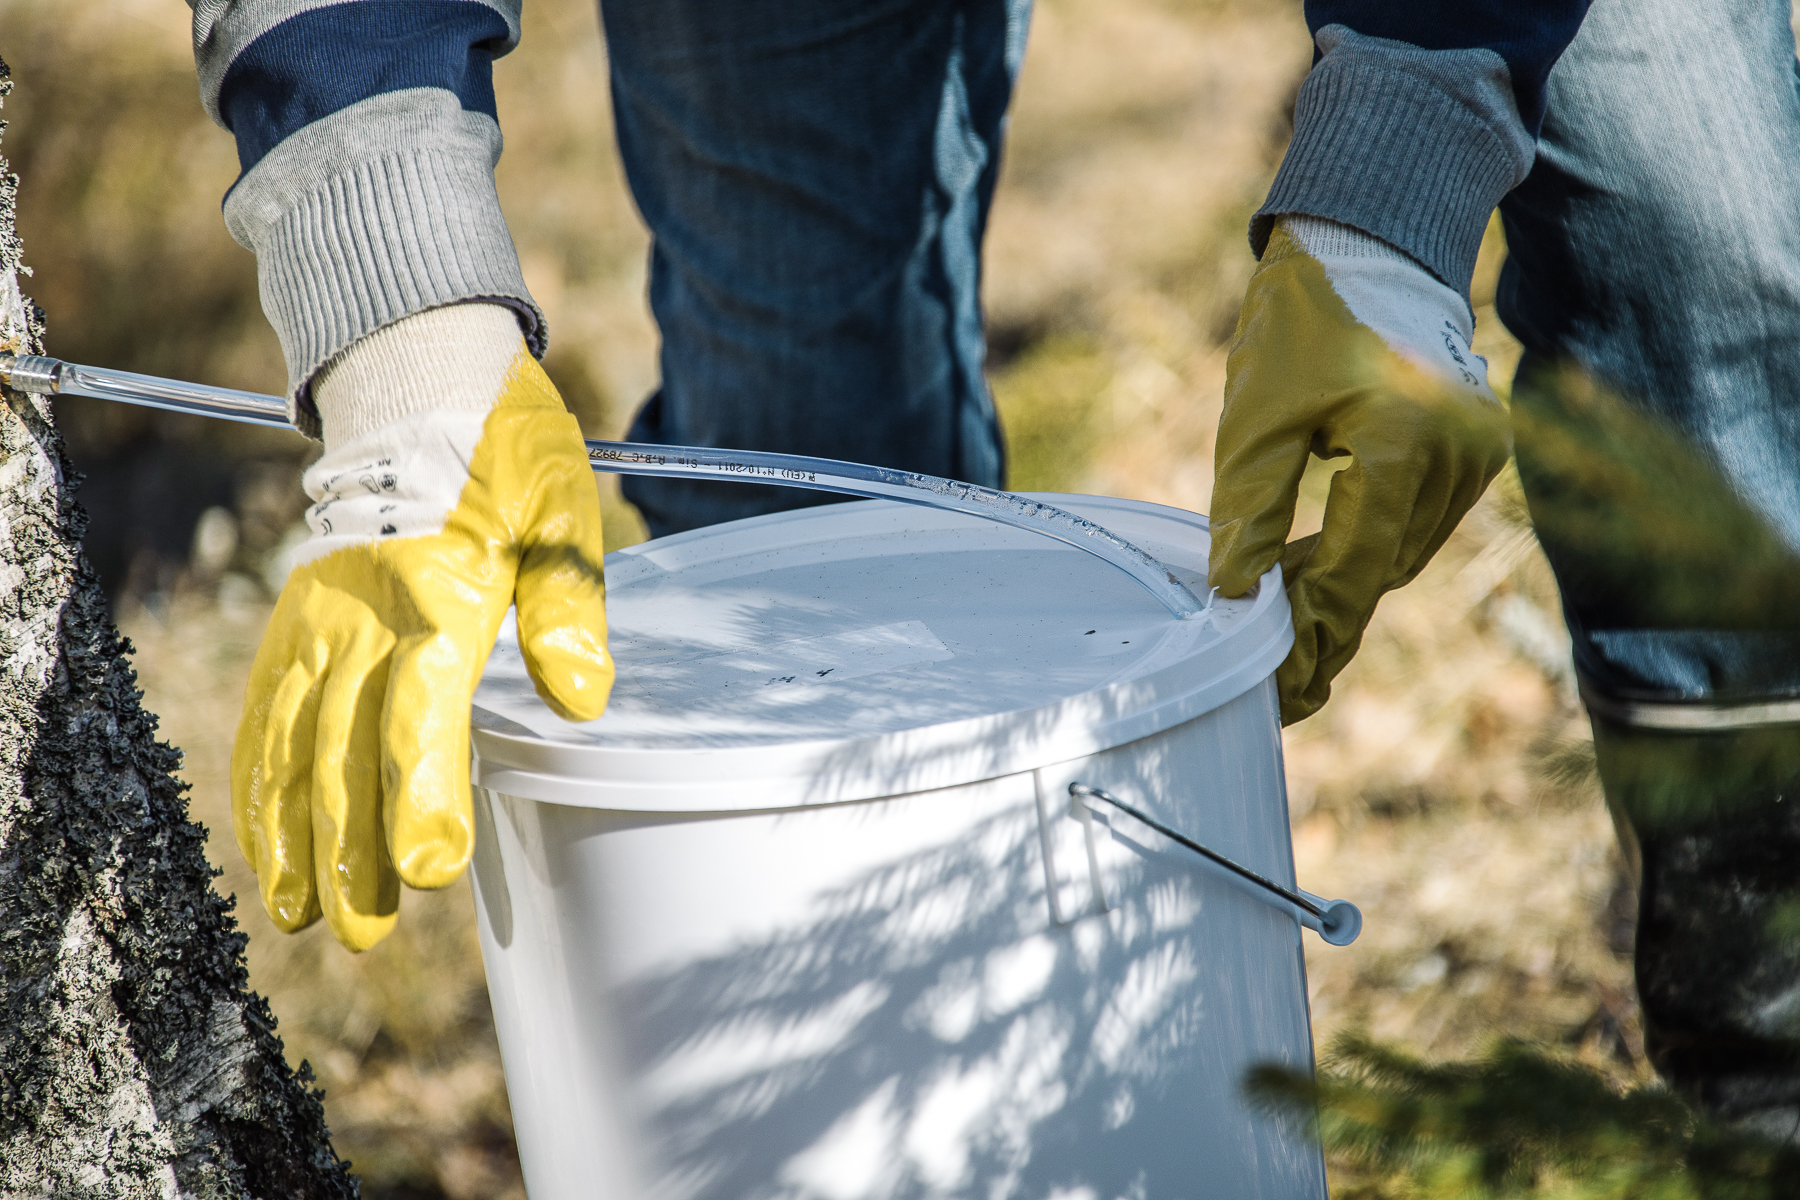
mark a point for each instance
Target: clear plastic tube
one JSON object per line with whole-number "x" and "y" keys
{"x": 52, "y": 376}
{"x": 856, "y": 479}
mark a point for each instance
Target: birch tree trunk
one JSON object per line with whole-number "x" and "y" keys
{"x": 134, "y": 1061}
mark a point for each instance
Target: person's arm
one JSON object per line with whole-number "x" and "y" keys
{"x": 1417, "y": 117}
{"x": 367, "y": 136}
{"x": 454, "y": 483}
{"x": 1354, "y": 338}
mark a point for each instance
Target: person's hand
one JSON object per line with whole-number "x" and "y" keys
{"x": 1346, "y": 346}
{"x": 454, "y": 483}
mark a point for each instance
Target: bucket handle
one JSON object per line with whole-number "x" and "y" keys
{"x": 52, "y": 376}
{"x": 1337, "y": 921}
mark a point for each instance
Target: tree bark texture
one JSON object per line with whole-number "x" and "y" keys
{"x": 134, "y": 1060}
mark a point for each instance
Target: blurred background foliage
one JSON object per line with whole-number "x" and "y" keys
{"x": 1448, "y": 788}
{"x": 1513, "y": 1123}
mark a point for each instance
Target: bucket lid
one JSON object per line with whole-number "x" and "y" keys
{"x": 870, "y": 649}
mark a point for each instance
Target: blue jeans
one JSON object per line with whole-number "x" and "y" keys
{"x": 816, "y": 175}
{"x": 1656, "y": 246}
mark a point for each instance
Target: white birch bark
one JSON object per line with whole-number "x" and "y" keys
{"x": 134, "y": 1061}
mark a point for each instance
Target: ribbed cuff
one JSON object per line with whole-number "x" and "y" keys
{"x": 344, "y": 251}
{"x": 1381, "y": 144}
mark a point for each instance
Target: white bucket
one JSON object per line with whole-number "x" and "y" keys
{"x": 811, "y": 912}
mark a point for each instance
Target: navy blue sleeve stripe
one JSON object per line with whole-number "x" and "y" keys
{"x": 1529, "y": 34}
{"x": 326, "y": 59}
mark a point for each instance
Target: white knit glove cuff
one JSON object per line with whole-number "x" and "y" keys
{"x": 1335, "y": 239}
{"x": 1420, "y": 318}
{"x": 453, "y": 359}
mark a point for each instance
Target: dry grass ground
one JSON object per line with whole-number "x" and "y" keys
{"x": 1444, "y": 789}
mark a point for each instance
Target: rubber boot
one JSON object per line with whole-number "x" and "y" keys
{"x": 1711, "y": 822}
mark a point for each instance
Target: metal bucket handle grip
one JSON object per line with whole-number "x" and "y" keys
{"x": 1339, "y": 922}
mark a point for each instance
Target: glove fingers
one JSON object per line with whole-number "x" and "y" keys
{"x": 1303, "y": 692}
{"x": 425, "y": 747}
{"x": 1373, "y": 519}
{"x": 358, "y": 889}
{"x": 562, "y": 633}
{"x": 1460, "y": 472}
{"x": 1384, "y": 520}
{"x": 1281, "y": 381}
{"x": 1296, "y": 554}
{"x": 561, "y": 597}
{"x": 272, "y": 767}
{"x": 1253, "y": 500}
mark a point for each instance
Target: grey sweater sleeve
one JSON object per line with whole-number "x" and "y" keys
{"x": 1413, "y": 146}
{"x": 368, "y": 139}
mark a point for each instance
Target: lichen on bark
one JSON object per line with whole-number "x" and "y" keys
{"x": 134, "y": 1059}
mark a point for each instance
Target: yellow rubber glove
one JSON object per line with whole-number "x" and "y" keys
{"x": 1346, "y": 346}
{"x": 453, "y": 483}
